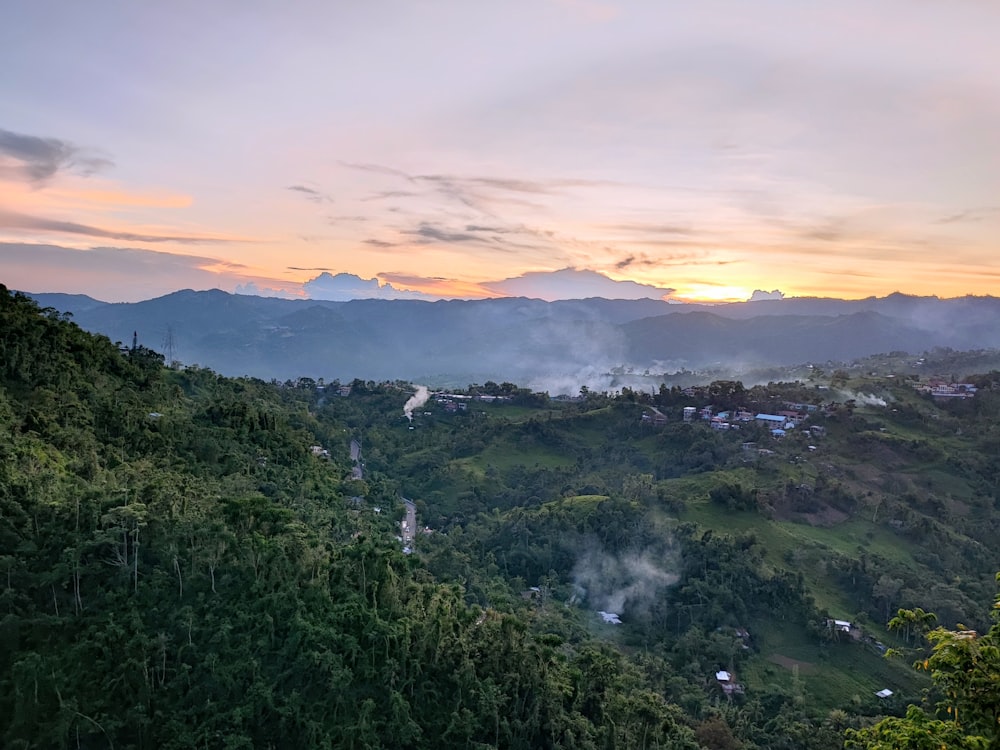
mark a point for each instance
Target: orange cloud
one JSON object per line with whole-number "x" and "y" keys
{"x": 29, "y": 224}
{"x": 112, "y": 198}
{"x": 437, "y": 286}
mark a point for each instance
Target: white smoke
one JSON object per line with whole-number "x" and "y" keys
{"x": 614, "y": 582}
{"x": 866, "y": 399}
{"x": 415, "y": 401}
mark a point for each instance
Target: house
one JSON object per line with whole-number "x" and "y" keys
{"x": 884, "y": 693}
{"x": 729, "y": 687}
{"x": 657, "y": 417}
{"x": 842, "y": 625}
{"x": 771, "y": 419}
{"x": 610, "y": 618}
{"x": 689, "y": 412}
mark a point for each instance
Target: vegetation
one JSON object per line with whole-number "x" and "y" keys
{"x": 965, "y": 668}
{"x": 189, "y": 560}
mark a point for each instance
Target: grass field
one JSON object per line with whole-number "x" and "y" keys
{"x": 828, "y": 674}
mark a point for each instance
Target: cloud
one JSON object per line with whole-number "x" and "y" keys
{"x": 116, "y": 273}
{"x": 494, "y": 230}
{"x": 36, "y": 159}
{"x": 410, "y": 279}
{"x": 513, "y": 239}
{"x": 573, "y": 283}
{"x": 970, "y": 215}
{"x": 251, "y": 289}
{"x": 501, "y": 183}
{"x": 386, "y": 194}
{"x": 347, "y": 286}
{"x": 14, "y": 220}
{"x": 311, "y": 194}
{"x": 376, "y": 168}
{"x": 434, "y": 234}
{"x": 632, "y": 261}
{"x": 653, "y": 229}
{"x": 477, "y": 192}
{"x": 760, "y": 294}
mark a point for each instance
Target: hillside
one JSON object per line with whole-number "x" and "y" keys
{"x": 194, "y": 560}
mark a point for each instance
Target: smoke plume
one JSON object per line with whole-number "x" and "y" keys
{"x": 415, "y": 401}
{"x": 866, "y": 399}
{"x": 630, "y": 580}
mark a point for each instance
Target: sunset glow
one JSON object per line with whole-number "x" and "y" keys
{"x": 688, "y": 152}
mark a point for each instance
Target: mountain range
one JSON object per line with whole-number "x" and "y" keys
{"x": 554, "y": 346}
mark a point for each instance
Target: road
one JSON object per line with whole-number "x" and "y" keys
{"x": 357, "y": 472}
{"x": 409, "y": 524}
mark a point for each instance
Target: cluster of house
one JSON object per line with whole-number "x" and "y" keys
{"x": 451, "y": 406}
{"x": 792, "y": 416}
{"x": 942, "y": 389}
{"x": 454, "y": 402}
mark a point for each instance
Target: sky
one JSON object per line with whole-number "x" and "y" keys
{"x": 545, "y": 148}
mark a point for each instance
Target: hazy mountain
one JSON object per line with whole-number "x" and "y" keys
{"x": 698, "y": 339}
{"x": 71, "y": 303}
{"x": 528, "y": 341}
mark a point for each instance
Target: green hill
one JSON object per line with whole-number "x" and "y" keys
{"x": 192, "y": 561}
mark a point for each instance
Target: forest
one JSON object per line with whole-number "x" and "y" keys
{"x": 195, "y": 561}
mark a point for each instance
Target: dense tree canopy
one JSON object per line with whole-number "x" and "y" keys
{"x": 189, "y": 560}
{"x": 965, "y": 668}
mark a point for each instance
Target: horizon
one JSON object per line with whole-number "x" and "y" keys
{"x": 626, "y": 151}
{"x": 763, "y": 297}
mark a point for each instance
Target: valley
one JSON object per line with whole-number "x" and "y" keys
{"x": 198, "y": 560}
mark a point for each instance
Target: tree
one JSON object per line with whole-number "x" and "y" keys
{"x": 965, "y": 668}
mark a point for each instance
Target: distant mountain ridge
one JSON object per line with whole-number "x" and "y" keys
{"x": 526, "y": 340}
